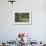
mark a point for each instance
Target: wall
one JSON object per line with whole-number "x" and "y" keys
{"x": 9, "y": 31}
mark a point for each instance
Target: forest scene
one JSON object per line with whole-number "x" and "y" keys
{"x": 21, "y": 17}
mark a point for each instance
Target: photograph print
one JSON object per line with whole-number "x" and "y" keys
{"x": 22, "y": 17}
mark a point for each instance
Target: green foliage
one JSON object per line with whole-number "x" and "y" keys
{"x": 22, "y": 17}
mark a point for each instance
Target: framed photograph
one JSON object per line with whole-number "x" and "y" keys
{"x": 22, "y": 17}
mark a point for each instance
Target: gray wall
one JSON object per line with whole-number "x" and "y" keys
{"x": 37, "y": 30}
